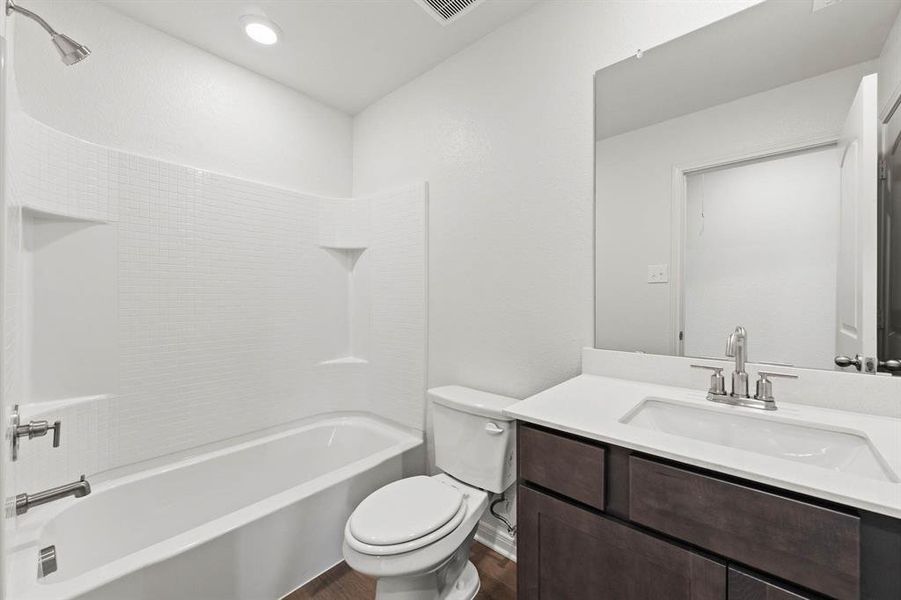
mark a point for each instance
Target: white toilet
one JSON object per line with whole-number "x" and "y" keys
{"x": 414, "y": 534}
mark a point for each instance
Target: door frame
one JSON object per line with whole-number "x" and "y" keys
{"x": 679, "y": 200}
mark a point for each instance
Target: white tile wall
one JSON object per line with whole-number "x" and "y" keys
{"x": 226, "y": 305}
{"x": 398, "y": 304}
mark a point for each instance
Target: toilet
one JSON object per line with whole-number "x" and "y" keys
{"x": 414, "y": 534}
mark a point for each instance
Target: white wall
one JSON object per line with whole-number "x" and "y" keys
{"x": 635, "y": 179}
{"x": 503, "y": 133}
{"x": 890, "y": 70}
{"x": 144, "y": 92}
{"x": 777, "y": 277}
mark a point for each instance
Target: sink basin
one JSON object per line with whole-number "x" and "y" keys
{"x": 846, "y": 452}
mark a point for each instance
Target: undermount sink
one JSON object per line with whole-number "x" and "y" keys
{"x": 813, "y": 445}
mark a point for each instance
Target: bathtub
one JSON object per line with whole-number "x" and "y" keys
{"x": 253, "y": 520}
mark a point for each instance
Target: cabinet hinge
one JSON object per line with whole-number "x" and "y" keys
{"x": 883, "y": 170}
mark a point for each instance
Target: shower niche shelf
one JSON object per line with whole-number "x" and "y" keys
{"x": 344, "y": 234}
{"x": 353, "y": 324}
{"x": 69, "y": 298}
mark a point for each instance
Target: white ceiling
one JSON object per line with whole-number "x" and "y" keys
{"x": 346, "y": 53}
{"x": 763, "y": 47}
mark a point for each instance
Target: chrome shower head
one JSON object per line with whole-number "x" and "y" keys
{"x": 69, "y": 50}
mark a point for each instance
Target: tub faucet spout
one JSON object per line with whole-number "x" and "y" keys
{"x": 78, "y": 489}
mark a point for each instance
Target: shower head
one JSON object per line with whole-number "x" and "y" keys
{"x": 69, "y": 50}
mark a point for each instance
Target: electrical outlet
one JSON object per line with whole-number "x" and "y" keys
{"x": 658, "y": 273}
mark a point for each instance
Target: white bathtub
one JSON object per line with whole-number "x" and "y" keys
{"x": 251, "y": 521}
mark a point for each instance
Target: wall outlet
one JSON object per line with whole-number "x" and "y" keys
{"x": 658, "y": 273}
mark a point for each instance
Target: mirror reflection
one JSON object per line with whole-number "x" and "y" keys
{"x": 737, "y": 188}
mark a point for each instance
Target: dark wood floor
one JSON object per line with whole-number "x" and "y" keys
{"x": 498, "y": 576}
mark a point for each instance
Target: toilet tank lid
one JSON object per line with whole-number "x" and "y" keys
{"x": 475, "y": 402}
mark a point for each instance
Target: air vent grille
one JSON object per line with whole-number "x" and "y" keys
{"x": 445, "y": 11}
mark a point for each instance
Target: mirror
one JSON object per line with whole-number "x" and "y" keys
{"x": 737, "y": 184}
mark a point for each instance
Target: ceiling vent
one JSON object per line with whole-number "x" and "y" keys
{"x": 447, "y": 11}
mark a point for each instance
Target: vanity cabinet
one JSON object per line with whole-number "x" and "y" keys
{"x": 572, "y": 553}
{"x": 603, "y": 522}
{"x": 808, "y": 544}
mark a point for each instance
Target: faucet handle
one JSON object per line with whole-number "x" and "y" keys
{"x": 765, "y": 386}
{"x": 717, "y": 381}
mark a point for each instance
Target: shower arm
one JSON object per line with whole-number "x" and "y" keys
{"x": 11, "y": 8}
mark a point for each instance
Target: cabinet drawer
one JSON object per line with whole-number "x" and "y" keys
{"x": 812, "y": 546}
{"x": 744, "y": 586}
{"x": 570, "y": 553}
{"x": 566, "y": 466}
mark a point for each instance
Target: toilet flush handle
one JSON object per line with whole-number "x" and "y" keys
{"x": 493, "y": 429}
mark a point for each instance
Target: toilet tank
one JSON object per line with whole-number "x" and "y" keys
{"x": 474, "y": 441}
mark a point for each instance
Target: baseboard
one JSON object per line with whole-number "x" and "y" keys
{"x": 496, "y": 537}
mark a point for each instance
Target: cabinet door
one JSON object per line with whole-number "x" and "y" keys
{"x": 744, "y": 586}
{"x": 568, "y": 553}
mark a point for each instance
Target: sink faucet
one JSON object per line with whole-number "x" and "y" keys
{"x": 77, "y": 489}
{"x": 737, "y": 346}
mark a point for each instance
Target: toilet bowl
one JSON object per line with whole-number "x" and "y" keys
{"x": 428, "y": 553}
{"x": 414, "y": 535}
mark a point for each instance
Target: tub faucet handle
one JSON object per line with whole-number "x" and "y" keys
{"x": 31, "y": 430}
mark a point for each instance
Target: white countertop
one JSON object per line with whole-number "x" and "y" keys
{"x": 592, "y": 406}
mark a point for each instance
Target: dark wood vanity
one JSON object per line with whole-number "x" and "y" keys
{"x": 602, "y": 522}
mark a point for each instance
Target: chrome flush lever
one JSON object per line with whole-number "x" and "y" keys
{"x": 31, "y": 430}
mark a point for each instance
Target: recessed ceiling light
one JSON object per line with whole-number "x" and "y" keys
{"x": 260, "y": 29}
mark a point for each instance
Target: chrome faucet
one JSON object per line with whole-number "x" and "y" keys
{"x": 737, "y": 346}
{"x": 78, "y": 489}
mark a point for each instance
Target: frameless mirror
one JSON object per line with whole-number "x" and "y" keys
{"x": 737, "y": 183}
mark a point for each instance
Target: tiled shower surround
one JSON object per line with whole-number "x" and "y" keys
{"x": 227, "y": 314}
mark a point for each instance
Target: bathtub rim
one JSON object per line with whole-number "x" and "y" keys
{"x": 22, "y": 552}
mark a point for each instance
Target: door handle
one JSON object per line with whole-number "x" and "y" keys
{"x": 845, "y": 361}
{"x": 891, "y": 365}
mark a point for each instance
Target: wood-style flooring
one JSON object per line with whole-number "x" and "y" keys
{"x": 497, "y": 574}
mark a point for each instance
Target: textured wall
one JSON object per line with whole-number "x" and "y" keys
{"x": 225, "y": 305}
{"x": 145, "y": 92}
{"x": 503, "y": 133}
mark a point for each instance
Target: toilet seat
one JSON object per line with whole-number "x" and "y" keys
{"x": 404, "y": 516}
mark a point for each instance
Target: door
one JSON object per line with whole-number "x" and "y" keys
{"x": 856, "y": 329}
{"x": 566, "y": 552}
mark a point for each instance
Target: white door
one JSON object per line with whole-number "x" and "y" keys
{"x": 856, "y": 331}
